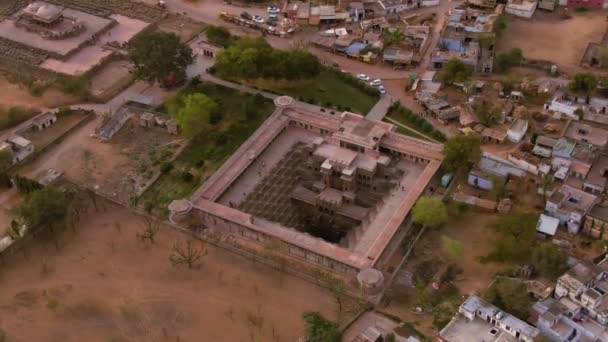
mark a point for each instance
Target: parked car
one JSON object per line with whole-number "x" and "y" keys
{"x": 272, "y": 21}
{"x": 381, "y": 90}
{"x": 273, "y": 10}
{"x": 258, "y": 19}
{"x": 273, "y": 16}
{"x": 375, "y": 83}
{"x": 363, "y": 77}
{"x": 246, "y": 15}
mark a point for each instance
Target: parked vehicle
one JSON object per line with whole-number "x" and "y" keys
{"x": 381, "y": 90}
{"x": 363, "y": 77}
{"x": 258, "y": 19}
{"x": 246, "y": 15}
{"x": 272, "y": 21}
{"x": 273, "y": 10}
{"x": 376, "y": 82}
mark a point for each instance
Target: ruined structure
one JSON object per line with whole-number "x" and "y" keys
{"x": 333, "y": 188}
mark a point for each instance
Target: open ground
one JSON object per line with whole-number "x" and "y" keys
{"x": 550, "y": 37}
{"x": 103, "y": 283}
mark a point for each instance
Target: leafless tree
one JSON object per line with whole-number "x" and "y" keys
{"x": 189, "y": 253}
{"x": 151, "y": 228}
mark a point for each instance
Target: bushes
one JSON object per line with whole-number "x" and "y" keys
{"x": 166, "y": 167}
{"x": 415, "y": 121}
{"x": 26, "y": 185}
{"x": 14, "y": 116}
{"x": 354, "y": 81}
{"x": 507, "y": 60}
{"x": 218, "y": 35}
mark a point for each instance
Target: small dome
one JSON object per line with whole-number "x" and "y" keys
{"x": 47, "y": 11}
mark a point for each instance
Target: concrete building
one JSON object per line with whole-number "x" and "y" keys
{"x": 517, "y": 130}
{"x": 595, "y": 182}
{"x": 570, "y": 205}
{"x": 44, "y": 121}
{"x": 521, "y": 8}
{"x": 479, "y": 321}
{"x": 586, "y": 133}
{"x": 482, "y": 180}
{"x": 596, "y": 222}
{"x": 21, "y": 147}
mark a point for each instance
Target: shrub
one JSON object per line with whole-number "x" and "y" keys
{"x": 166, "y": 167}
{"x": 187, "y": 176}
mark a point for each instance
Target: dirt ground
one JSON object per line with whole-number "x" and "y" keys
{"x": 104, "y": 284}
{"x": 549, "y": 37}
{"x": 18, "y": 95}
{"x": 110, "y": 79}
{"x": 183, "y": 27}
{"x": 117, "y": 168}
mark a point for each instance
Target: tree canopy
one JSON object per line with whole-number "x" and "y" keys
{"x": 518, "y": 231}
{"x": 159, "y": 57}
{"x": 500, "y": 24}
{"x": 219, "y": 35}
{"x": 460, "y": 151}
{"x": 507, "y": 60}
{"x": 47, "y": 206}
{"x": 510, "y": 296}
{"x": 429, "y": 212}
{"x": 392, "y": 37}
{"x": 192, "y": 112}
{"x": 548, "y": 260}
{"x": 249, "y": 58}
{"x": 455, "y": 71}
{"x": 583, "y": 82}
{"x": 6, "y": 161}
{"x": 319, "y": 329}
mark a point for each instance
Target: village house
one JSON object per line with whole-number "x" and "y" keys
{"x": 21, "y": 147}
{"x": 44, "y": 120}
{"x": 587, "y": 133}
{"x": 483, "y": 180}
{"x": 578, "y": 311}
{"x": 517, "y": 130}
{"x": 596, "y": 222}
{"x": 570, "y": 205}
{"x": 595, "y": 182}
{"x": 493, "y": 164}
{"x": 521, "y": 8}
{"x": 477, "y": 319}
{"x": 543, "y": 146}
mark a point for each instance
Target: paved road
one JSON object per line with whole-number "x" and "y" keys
{"x": 380, "y": 109}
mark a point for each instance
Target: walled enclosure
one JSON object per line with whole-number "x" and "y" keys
{"x": 346, "y": 131}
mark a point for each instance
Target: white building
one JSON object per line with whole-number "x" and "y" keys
{"x": 517, "y": 130}
{"x": 521, "y": 8}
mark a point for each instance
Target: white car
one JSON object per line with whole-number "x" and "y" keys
{"x": 381, "y": 90}
{"x": 376, "y": 83}
{"x": 273, "y": 10}
{"x": 258, "y": 19}
{"x": 363, "y": 77}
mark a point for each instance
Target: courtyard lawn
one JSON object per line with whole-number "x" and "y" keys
{"x": 414, "y": 121}
{"x": 327, "y": 90}
{"x": 242, "y": 115}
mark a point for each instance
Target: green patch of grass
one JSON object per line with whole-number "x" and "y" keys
{"x": 13, "y": 116}
{"x": 330, "y": 89}
{"x": 408, "y": 132}
{"x": 408, "y": 118}
{"x": 242, "y": 115}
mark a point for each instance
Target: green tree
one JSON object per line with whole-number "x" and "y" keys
{"x": 45, "y": 207}
{"x": 518, "y": 231}
{"x": 6, "y": 161}
{"x": 455, "y": 71}
{"x": 510, "y": 296}
{"x": 219, "y": 35}
{"x": 192, "y": 112}
{"x": 508, "y": 60}
{"x": 159, "y": 57}
{"x": 429, "y": 212}
{"x": 500, "y": 24}
{"x": 461, "y": 151}
{"x": 602, "y": 57}
{"x": 485, "y": 40}
{"x": 392, "y": 37}
{"x": 583, "y": 82}
{"x": 452, "y": 248}
{"x": 549, "y": 261}
{"x": 319, "y": 329}
{"x": 25, "y": 185}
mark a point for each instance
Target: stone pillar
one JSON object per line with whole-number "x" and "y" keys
{"x": 371, "y": 282}
{"x": 179, "y": 210}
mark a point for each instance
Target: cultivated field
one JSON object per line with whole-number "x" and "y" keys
{"x": 104, "y": 284}
{"x": 549, "y": 37}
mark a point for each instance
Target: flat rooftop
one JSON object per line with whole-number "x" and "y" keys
{"x": 461, "y": 329}
{"x": 62, "y": 47}
{"x": 587, "y": 133}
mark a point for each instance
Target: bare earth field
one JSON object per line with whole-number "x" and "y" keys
{"x": 549, "y": 37}
{"x": 104, "y": 284}
{"x": 18, "y": 95}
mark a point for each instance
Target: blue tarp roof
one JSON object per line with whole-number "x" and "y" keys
{"x": 354, "y": 48}
{"x": 453, "y": 45}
